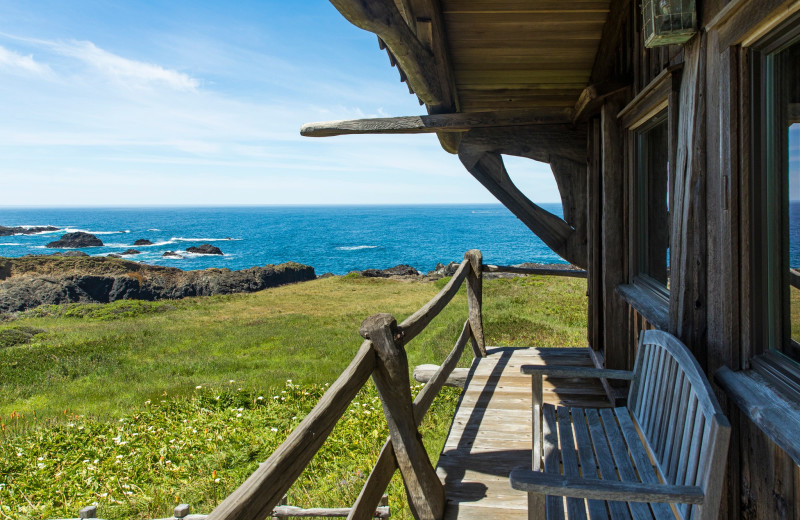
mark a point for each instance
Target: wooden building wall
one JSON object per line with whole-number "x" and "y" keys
{"x": 711, "y": 280}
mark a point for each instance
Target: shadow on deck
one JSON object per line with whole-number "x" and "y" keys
{"x": 491, "y": 430}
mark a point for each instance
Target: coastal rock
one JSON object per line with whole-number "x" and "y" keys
{"x": 67, "y": 253}
{"x": 77, "y": 239}
{"x": 142, "y": 242}
{"x": 444, "y": 270}
{"x": 113, "y": 255}
{"x": 131, "y": 252}
{"x": 398, "y": 270}
{"x": 30, "y": 282}
{"x": 171, "y": 254}
{"x": 8, "y": 231}
{"x": 204, "y": 249}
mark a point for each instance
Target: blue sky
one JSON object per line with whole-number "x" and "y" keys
{"x": 200, "y": 103}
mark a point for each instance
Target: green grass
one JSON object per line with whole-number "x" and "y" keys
{"x": 77, "y": 381}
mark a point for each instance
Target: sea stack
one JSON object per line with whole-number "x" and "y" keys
{"x": 76, "y": 240}
{"x": 205, "y": 249}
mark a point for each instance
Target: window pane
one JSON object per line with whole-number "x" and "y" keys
{"x": 653, "y": 195}
{"x": 789, "y": 67}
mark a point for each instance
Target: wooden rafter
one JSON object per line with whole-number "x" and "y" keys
{"x": 417, "y": 61}
{"x": 458, "y": 122}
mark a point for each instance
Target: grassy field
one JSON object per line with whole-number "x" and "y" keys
{"x": 139, "y": 405}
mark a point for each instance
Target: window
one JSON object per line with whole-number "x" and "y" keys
{"x": 650, "y": 123}
{"x": 651, "y": 181}
{"x": 776, "y": 236}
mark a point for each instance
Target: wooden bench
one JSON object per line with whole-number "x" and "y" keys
{"x": 661, "y": 456}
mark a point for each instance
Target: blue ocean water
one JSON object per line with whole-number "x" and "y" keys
{"x": 335, "y": 239}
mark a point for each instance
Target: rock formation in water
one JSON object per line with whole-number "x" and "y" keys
{"x": 8, "y": 231}
{"x": 77, "y": 239}
{"x": 204, "y": 249}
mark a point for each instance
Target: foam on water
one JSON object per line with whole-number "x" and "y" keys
{"x": 355, "y": 248}
{"x": 75, "y": 230}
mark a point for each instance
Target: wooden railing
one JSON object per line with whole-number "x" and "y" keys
{"x": 382, "y": 355}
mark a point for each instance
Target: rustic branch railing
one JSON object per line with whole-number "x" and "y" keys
{"x": 382, "y": 355}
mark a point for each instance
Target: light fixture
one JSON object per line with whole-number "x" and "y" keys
{"x": 668, "y": 22}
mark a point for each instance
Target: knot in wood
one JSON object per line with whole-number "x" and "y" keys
{"x": 377, "y": 322}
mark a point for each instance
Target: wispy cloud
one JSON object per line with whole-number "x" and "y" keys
{"x": 10, "y": 60}
{"x": 129, "y": 72}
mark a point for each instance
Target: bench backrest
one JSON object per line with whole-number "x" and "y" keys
{"x": 680, "y": 419}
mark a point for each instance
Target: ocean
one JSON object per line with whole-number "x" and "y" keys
{"x": 335, "y": 239}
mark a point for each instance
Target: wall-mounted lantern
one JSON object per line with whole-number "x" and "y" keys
{"x": 668, "y": 22}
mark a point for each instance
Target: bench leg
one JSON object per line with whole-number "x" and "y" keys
{"x": 536, "y": 507}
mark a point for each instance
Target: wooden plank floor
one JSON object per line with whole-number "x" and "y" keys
{"x": 491, "y": 430}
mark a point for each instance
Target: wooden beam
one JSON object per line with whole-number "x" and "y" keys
{"x": 540, "y": 142}
{"x": 488, "y": 168}
{"x": 612, "y": 32}
{"x": 439, "y": 123}
{"x": 384, "y": 19}
{"x": 592, "y": 97}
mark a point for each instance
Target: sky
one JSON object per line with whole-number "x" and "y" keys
{"x": 120, "y": 103}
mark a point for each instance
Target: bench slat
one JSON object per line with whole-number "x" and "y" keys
{"x": 648, "y": 410}
{"x": 619, "y": 510}
{"x": 576, "y": 507}
{"x": 647, "y": 473}
{"x": 667, "y": 413}
{"x": 619, "y": 451}
{"x": 597, "y": 508}
{"x": 655, "y": 406}
{"x": 552, "y": 460}
{"x": 688, "y": 431}
{"x": 668, "y": 460}
{"x": 694, "y": 453}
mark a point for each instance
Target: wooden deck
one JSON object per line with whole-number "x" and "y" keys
{"x": 491, "y": 430}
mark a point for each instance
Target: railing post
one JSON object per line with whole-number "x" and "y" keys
{"x": 425, "y": 491}
{"x": 475, "y": 300}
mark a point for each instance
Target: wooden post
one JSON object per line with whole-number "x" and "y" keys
{"x": 423, "y": 488}
{"x": 615, "y": 329}
{"x": 88, "y": 512}
{"x": 475, "y": 301}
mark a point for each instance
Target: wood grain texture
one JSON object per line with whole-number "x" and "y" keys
{"x": 425, "y": 492}
{"x": 384, "y": 19}
{"x": 491, "y": 431}
{"x": 454, "y": 122}
{"x": 475, "y": 301}
{"x": 488, "y": 168}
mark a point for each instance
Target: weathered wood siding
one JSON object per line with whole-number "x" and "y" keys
{"x": 711, "y": 284}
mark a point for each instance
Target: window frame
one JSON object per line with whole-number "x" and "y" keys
{"x": 650, "y": 298}
{"x": 769, "y": 232}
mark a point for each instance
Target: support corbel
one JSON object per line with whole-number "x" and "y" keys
{"x": 480, "y": 152}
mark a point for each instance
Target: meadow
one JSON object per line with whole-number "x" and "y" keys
{"x": 137, "y": 406}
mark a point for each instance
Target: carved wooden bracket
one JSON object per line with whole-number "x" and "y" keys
{"x": 563, "y": 146}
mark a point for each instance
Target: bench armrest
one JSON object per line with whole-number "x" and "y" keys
{"x": 568, "y": 371}
{"x": 577, "y": 487}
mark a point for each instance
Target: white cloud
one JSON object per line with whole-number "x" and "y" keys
{"x": 13, "y": 61}
{"x": 129, "y": 72}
